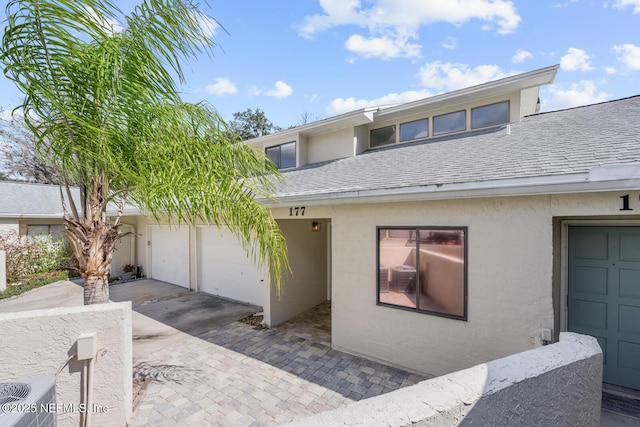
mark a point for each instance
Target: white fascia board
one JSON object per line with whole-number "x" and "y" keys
{"x": 31, "y": 216}
{"x": 563, "y": 184}
{"x": 353, "y": 118}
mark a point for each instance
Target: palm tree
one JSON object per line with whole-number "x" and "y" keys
{"x": 102, "y": 101}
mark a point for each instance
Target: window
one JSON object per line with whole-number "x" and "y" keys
{"x": 44, "y": 230}
{"x": 490, "y": 115}
{"x": 283, "y": 155}
{"x": 383, "y": 136}
{"x": 423, "y": 269}
{"x": 452, "y": 122}
{"x": 414, "y": 130}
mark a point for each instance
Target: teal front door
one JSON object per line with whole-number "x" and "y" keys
{"x": 604, "y": 296}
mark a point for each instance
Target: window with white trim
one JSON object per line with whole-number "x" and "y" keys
{"x": 283, "y": 155}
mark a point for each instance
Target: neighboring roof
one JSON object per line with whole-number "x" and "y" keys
{"x": 561, "y": 151}
{"x": 26, "y": 200}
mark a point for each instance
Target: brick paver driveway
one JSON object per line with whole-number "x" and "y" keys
{"x": 236, "y": 375}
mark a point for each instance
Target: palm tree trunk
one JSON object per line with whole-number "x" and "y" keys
{"x": 96, "y": 290}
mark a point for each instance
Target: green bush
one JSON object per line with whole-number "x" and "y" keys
{"x": 28, "y": 255}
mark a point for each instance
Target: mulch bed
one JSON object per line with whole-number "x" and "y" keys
{"x": 253, "y": 320}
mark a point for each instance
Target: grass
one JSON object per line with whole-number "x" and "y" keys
{"x": 34, "y": 281}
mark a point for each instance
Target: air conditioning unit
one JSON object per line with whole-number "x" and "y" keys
{"x": 29, "y": 402}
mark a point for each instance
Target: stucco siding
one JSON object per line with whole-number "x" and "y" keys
{"x": 9, "y": 225}
{"x": 509, "y": 288}
{"x": 39, "y": 342}
{"x": 306, "y": 285}
{"x": 331, "y": 145}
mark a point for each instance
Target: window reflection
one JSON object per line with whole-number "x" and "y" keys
{"x": 423, "y": 268}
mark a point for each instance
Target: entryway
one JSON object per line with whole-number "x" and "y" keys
{"x": 604, "y": 296}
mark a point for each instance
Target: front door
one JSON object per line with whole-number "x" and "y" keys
{"x": 604, "y": 296}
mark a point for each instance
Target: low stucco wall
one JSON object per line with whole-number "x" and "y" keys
{"x": 560, "y": 384}
{"x": 39, "y": 342}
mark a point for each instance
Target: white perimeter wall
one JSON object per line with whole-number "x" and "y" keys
{"x": 34, "y": 343}
{"x": 510, "y": 270}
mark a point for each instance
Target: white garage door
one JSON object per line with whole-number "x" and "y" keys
{"x": 223, "y": 267}
{"x": 170, "y": 254}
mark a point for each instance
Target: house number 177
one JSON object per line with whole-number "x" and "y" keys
{"x": 297, "y": 211}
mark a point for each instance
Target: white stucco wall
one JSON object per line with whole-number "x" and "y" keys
{"x": 3, "y": 271}
{"x": 559, "y": 384}
{"x": 9, "y": 225}
{"x": 38, "y": 342}
{"x": 330, "y": 145}
{"x": 306, "y": 286}
{"x": 510, "y": 276}
{"x": 509, "y": 288}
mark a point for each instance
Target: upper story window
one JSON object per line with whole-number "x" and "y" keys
{"x": 383, "y": 136}
{"x": 451, "y": 122}
{"x": 490, "y": 115}
{"x": 414, "y": 130}
{"x": 283, "y": 155}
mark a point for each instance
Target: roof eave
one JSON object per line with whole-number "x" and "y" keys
{"x": 562, "y": 184}
{"x": 535, "y": 78}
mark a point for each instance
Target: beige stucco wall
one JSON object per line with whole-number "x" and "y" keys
{"x": 510, "y": 269}
{"x": 38, "y": 342}
{"x": 306, "y": 285}
{"x": 330, "y": 145}
{"x": 9, "y": 225}
{"x": 509, "y": 290}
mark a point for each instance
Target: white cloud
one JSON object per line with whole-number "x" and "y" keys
{"x": 582, "y": 93}
{"x": 344, "y": 105}
{"x": 280, "y": 91}
{"x": 576, "y": 60}
{"x": 450, "y": 43}
{"x": 624, "y": 3}
{"x": 110, "y": 26}
{"x": 222, "y": 86}
{"x": 448, "y": 76}
{"x": 521, "y": 56}
{"x": 382, "y": 47}
{"x": 398, "y": 20}
{"x": 611, "y": 70}
{"x": 208, "y": 24}
{"x": 628, "y": 54}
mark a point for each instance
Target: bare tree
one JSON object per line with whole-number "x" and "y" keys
{"x": 19, "y": 158}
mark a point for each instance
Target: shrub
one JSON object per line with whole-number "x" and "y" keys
{"x": 26, "y": 255}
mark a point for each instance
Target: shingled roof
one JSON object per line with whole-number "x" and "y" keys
{"x": 546, "y": 145}
{"x": 19, "y": 199}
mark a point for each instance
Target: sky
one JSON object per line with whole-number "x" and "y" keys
{"x": 318, "y": 58}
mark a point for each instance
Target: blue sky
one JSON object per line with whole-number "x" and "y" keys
{"x": 326, "y": 57}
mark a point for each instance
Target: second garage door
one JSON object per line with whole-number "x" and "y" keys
{"x": 170, "y": 254}
{"x": 223, "y": 267}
